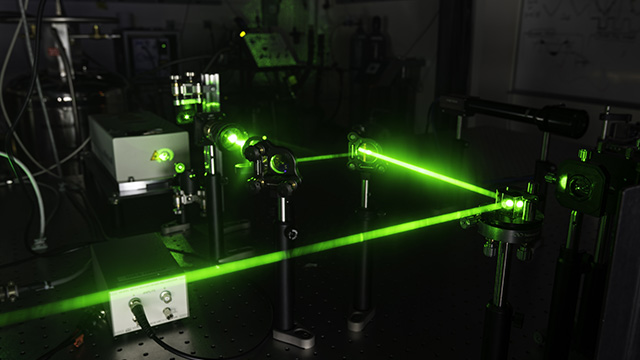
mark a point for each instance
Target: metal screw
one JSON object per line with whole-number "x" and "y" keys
{"x": 523, "y": 253}
{"x": 292, "y": 234}
{"x": 490, "y": 249}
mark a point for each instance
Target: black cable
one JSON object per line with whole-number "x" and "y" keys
{"x": 66, "y": 342}
{"x": 63, "y": 250}
{"x": 214, "y": 58}
{"x": 138, "y": 311}
{"x": 92, "y": 320}
{"x": 32, "y": 82}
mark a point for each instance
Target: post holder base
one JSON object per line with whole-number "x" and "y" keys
{"x": 298, "y": 336}
{"x": 358, "y": 320}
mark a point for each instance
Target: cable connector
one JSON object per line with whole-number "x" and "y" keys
{"x": 137, "y": 309}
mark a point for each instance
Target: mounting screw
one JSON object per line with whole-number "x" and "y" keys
{"x": 523, "y": 253}
{"x": 468, "y": 222}
{"x": 490, "y": 249}
{"x": 292, "y": 233}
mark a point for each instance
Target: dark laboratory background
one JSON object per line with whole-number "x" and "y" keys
{"x": 319, "y": 179}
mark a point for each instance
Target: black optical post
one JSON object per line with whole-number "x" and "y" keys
{"x": 363, "y": 310}
{"x": 566, "y": 283}
{"x": 275, "y": 170}
{"x": 213, "y": 178}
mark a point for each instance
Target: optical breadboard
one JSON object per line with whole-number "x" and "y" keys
{"x": 140, "y": 267}
{"x": 138, "y": 146}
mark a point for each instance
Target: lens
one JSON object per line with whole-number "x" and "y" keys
{"x": 280, "y": 163}
{"x": 580, "y": 187}
{"x": 368, "y": 159}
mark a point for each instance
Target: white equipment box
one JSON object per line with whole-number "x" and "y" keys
{"x": 138, "y": 147}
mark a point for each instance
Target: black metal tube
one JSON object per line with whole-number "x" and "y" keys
{"x": 562, "y": 310}
{"x": 564, "y": 296}
{"x": 214, "y": 206}
{"x": 553, "y": 119}
{"x": 283, "y": 317}
{"x": 362, "y": 298}
{"x": 496, "y": 332}
{"x": 593, "y": 292}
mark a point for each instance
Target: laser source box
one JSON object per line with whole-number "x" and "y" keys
{"x": 138, "y": 146}
{"x": 140, "y": 267}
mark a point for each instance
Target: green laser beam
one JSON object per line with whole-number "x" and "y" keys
{"x": 432, "y": 174}
{"x": 270, "y": 258}
{"x": 321, "y": 157}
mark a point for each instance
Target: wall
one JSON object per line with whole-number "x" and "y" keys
{"x": 495, "y": 45}
{"x": 404, "y": 22}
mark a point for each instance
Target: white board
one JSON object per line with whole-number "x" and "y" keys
{"x": 587, "y": 49}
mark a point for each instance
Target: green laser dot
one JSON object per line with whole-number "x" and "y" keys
{"x": 83, "y": 301}
{"x": 233, "y": 138}
{"x": 519, "y": 204}
{"x": 180, "y": 168}
{"x": 508, "y": 204}
{"x": 432, "y": 174}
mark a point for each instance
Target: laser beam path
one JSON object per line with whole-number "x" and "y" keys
{"x": 321, "y": 157}
{"x": 227, "y": 268}
{"x": 432, "y": 174}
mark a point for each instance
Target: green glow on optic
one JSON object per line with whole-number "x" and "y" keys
{"x": 189, "y": 101}
{"x": 322, "y": 157}
{"x": 278, "y": 164}
{"x": 79, "y": 302}
{"x": 233, "y": 138}
{"x": 187, "y": 116}
{"x": 432, "y": 174}
{"x": 162, "y": 155}
{"x": 180, "y": 168}
{"x": 563, "y": 182}
{"x": 507, "y": 204}
{"x": 519, "y": 204}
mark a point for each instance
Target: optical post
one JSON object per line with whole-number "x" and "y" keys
{"x": 275, "y": 170}
{"x": 363, "y": 309}
{"x": 199, "y": 103}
